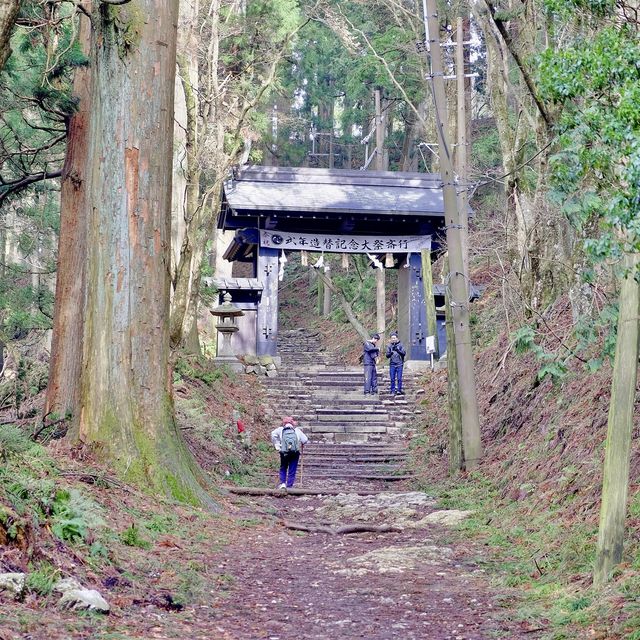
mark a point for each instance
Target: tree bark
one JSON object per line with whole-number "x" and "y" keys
{"x": 615, "y": 483}
{"x": 126, "y": 395}
{"x": 184, "y": 134}
{"x": 65, "y": 365}
{"x": 187, "y": 274}
{"x": 8, "y": 15}
{"x": 408, "y": 157}
{"x": 539, "y": 238}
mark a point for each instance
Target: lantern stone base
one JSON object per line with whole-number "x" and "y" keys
{"x": 262, "y": 365}
{"x": 229, "y": 361}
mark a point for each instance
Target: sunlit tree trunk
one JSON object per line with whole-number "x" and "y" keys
{"x": 65, "y": 365}
{"x": 615, "y": 483}
{"x": 538, "y": 236}
{"x": 126, "y": 399}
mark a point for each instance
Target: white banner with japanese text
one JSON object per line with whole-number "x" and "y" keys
{"x": 343, "y": 243}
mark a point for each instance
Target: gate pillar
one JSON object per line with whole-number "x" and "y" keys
{"x": 267, "y": 316}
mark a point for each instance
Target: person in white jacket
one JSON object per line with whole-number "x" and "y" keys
{"x": 289, "y": 440}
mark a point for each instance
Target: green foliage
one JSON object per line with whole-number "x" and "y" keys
{"x": 41, "y": 577}
{"x": 132, "y": 538}
{"x": 524, "y": 341}
{"x": 596, "y": 170}
{"x": 73, "y": 515}
{"x": 485, "y": 152}
{"x": 161, "y": 523}
{"x": 200, "y": 369}
{"x": 13, "y": 440}
{"x": 333, "y": 74}
{"x": 36, "y": 102}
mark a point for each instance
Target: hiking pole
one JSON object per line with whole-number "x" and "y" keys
{"x": 301, "y": 465}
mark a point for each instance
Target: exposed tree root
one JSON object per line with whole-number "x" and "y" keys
{"x": 345, "y": 528}
{"x": 281, "y": 493}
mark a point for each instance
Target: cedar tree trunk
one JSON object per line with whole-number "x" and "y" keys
{"x": 126, "y": 401}
{"x": 65, "y": 365}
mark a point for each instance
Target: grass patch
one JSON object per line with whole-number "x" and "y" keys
{"x": 41, "y": 577}
{"x": 132, "y": 538}
{"x": 545, "y": 558}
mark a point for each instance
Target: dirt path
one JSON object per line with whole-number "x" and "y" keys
{"x": 287, "y": 584}
{"x": 248, "y": 577}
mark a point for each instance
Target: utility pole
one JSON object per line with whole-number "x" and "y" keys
{"x": 459, "y": 298}
{"x": 461, "y": 148}
{"x": 381, "y": 290}
{"x": 456, "y": 451}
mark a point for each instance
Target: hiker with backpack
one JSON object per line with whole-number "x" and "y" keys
{"x": 289, "y": 440}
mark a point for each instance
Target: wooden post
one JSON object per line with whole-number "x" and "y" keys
{"x": 429, "y": 301}
{"x": 381, "y": 303}
{"x": 461, "y": 149}
{"x": 379, "y": 164}
{"x": 326, "y": 303}
{"x": 267, "y": 313}
{"x": 381, "y": 294}
{"x": 615, "y": 482}
{"x": 456, "y": 453}
{"x": 457, "y": 281}
{"x": 331, "y": 159}
{"x": 320, "y": 305}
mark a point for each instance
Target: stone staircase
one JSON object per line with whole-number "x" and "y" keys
{"x": 352, "y": 436}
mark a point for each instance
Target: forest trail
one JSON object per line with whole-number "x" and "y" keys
{"x": 415, "y": 583}
{"x": 410, "y": 581}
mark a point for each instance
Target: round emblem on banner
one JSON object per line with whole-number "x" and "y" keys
{"x": 276, "y": 239}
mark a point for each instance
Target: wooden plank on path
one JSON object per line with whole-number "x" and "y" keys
{"x": 281, "y": 493}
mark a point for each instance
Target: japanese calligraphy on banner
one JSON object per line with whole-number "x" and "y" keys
{"x": 338, "y": 243}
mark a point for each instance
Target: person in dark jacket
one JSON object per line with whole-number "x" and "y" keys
{"x": 396, "y": 354}
{"x": 370, "y": 354}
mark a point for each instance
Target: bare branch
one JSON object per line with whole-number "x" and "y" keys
{"x": 10, "y": 188}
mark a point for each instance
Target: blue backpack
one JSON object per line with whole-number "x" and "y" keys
{"x": 289, "y": 440}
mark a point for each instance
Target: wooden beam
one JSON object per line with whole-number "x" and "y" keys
{"x": 281, "y": 493}
{"x": 381, "y": 303}
{"x": 326, "y": 302}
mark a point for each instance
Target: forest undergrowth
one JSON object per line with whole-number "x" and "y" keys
{"x": 64, "y": 515}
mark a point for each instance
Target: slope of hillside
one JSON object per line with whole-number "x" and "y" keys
{"x": 537, "y": 493}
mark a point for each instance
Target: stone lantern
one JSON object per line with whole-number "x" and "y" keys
{"x": 227, "y": 325}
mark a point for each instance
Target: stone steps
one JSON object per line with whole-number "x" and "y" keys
{"x": 352, "y": 436}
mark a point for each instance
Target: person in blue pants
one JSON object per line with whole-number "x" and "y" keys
{"x": 370, "y": 355}
{"x": 289, "y": 440}
{"x": 396, "y": 354}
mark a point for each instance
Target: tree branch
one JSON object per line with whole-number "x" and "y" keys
{"x": 10, "y": 188}
{"x": 522, "y": 66}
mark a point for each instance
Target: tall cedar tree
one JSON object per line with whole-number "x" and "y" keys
{"x": 125, "y": 408}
